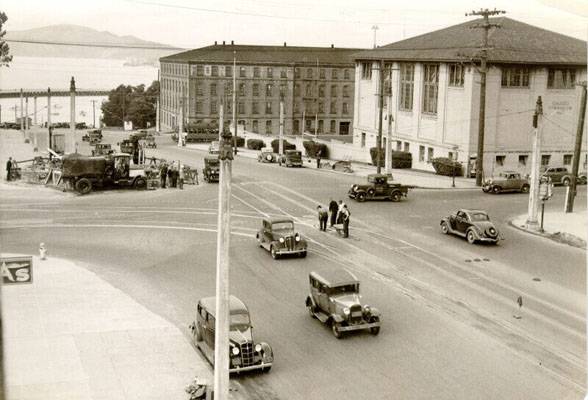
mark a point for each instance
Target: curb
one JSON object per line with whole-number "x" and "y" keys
{"x": 559, "y": 237}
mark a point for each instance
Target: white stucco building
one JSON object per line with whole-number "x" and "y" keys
{"x": 435, "y": 95}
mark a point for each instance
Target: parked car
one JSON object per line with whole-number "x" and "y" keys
{"x": 334, "y": 300}
{"x": 291, "y": 158}
{"x": 211, "y": 170}
{"x": 342, "y": 165}
{"x": 474, "y": 225}
{"x": 507, "y": 181}
{"x": 378, "y": 188}
{"x": 277, "y": 235}
{"x": 562, "y": 176}
{"x": 244, "y": 353}
{"x": 267, "y": 155}
{"x": 102, "y": 149}
{"x": 214, "y": 147}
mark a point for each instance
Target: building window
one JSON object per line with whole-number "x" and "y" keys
{"x": 213, "y": 107}
{"x": 346, "y": 91}
{"x": 283, "y": 91}
{"x": 199, "y": 89}
{"x": 366, "y": 70}
{"x": 241, "y": 108}
{"x": 321, "y": 108}
{"x": 567, "y": 159}
{"x": 545, "y": 159}
{"x": 296, "y": 126}
{"x": 345, "y": 108}
{"x": 346, "y": 74}
{"x": 269, "y": 90}
{"x": 406, "y": 86}
{"x": 333, "y": 126}
{"x": 322, "y": 91}
{"x": 308, "y": 125}
{"x": 500, "y": 161}
{"x": 430, "y": 88}
{"x": 421, "y": 153}
{"x": 214, "y": 71}
{"x": 297, "y": 72}
{"x": 296, "y": 90}
{"x": 333, "y": 107}
{"x": 321, "y": 124}
{"x": 333, "y": 90}
{"x": 198, "y": 107}
{"x": 228, "y": 71}
{"x": 254, "y": 107}
{"x": 398, "y": 145}
{"x": 296, "y": 108}
{"x": 515, "y": 77}
{"x": 268, "y": 126}
{"x": 213, "y": 89}
{"x": 406, "y": 147}
{"x": 255, "y": 126}
{"x": 241, "y": 89}
{"x": 308, "y": 91}
{"x": 283, "y": 73}
{"x": 450, "y": 155}
{"x": 268, "y": 107}
{"x": 362, "y": 139}
{"x": 523, "y": 160}
{"x": 322, "y": 73}
{"x": 256, "y": 73}
{"x": 309, "y": 73}
{"x": 242, "y": 72}
{"x": 456, "y": 73}
{"x": 430, "y": 154}
{"x": 561, "y": 78}
{"x": 334, "y": 74}
{"x": 270, "y": 72}
{"x": 229, "y": 107}
{"x": 199, "y": 70}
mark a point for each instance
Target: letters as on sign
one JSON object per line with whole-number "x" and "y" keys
{"x": 16, "y": 269}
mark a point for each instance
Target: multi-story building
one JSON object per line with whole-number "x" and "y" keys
{"x": 316, "y": 85}
{"x": 435, "y": 95}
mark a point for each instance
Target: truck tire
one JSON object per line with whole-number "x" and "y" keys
{"x": 566, "y": 181}
{"x": 84, "y": 186}
{"x": 525, "y": 189}
{"x": 396, "y": 196}
{"x": 140, "y": 183}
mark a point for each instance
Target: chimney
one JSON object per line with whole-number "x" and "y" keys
{"x": 223, "y": 42}
{"x": 215, "y": 42}
{"x": 284, "y": 44}
{"x": 332, "y": 46}
{"x": 232, "y": 42}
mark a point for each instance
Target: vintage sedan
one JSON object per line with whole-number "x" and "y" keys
{"x": 267, "y": 156}
{"x": 277, "y": 235}
{"x": 474, "y": 225}
{"x": 507, "y": 181}
{"x": 334, "y": 300}
{"x": 211, "y": 170}
{"x": 244, "y": 353}
{"x": 378, "y": 188}
{"x": 291, "y": 158}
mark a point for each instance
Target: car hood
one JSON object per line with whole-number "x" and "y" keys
{"x": 347, "y": 300}
{"x": 239, "y": 337}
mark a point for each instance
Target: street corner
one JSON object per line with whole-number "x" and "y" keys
{"x": 557, "y": 234}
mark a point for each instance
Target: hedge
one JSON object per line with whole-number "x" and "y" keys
{"x": 287, "y": 145}
{"x": 446, "y": 166}
{"x": 400, "y": 159}
{"x": 313, "y": 147}
{"x": 255, "y": 144}
{"x": 238, "y": 141}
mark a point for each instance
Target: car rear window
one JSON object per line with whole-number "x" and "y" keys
{"x": 479, "y": 217}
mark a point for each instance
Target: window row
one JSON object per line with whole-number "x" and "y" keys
{"x": 267, "y": 107}
{"x": 267, "y": 72}
{"x": 309, "y": 90}
{"x": 174, "y": 69}
{"x": 523, "y": 160}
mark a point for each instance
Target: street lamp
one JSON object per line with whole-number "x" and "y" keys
{"x": 453, "y": 167}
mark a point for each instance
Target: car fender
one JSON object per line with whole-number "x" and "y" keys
{"x": 374, "y": 312}
{"x": 267, "y": 352}
{"x": 476, "y": 231}
{"x": 445, "y": 219}
{"x": 336, "y": 318}
{"x": 310, "y": 301}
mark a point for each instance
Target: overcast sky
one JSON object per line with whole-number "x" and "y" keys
{"x": 345, "y": 23}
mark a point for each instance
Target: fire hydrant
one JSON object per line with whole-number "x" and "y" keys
{"x": 42, "y": 251}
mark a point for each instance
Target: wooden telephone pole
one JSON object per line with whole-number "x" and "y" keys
{"x": 486, "y": 25}
{"x": 577, "y": 150}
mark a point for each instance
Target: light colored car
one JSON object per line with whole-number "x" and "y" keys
{"x": 507, "y": 181}
{"x": 214, "y": 148}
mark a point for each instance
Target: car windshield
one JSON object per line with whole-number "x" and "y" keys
{"x": 213, "y": 162}
{"x": 479, "y": 217}
{"x": 344, "y": 289}
{"x": 294, "y": 154}
{"x": 240, "y": 322}
{"x": 283, "y": 228}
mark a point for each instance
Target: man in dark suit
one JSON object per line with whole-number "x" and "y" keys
{"x": 333, "y": 208}
{"x": 8, "y": 168}
{"x": 323, "y": 217}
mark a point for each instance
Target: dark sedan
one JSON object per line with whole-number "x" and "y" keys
{"x": 474, "y": 225}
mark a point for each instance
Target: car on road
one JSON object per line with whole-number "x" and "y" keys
{"x": 378, "y": 188}
{"x": 334, "y": 300}
{"x": 267, "y": 156}
{"x": 474, "y": 225}
{"x": 102, "y": 149}
{"x": 214, "y": 147}
{"x": 507, "y": 181}
{"x": 562, "y": 176}
{"x": 211, "y": 170}
{"x": 244, "y": 353}
{"x": 278, "y": 236}
{"x": 291, "y": 158}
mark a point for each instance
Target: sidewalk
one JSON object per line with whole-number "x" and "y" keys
{"x": 569, "y": 228}
{"x": 71, "y": 335}
{"x": 420, "y": 179}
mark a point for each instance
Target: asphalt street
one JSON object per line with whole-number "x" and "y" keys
{"x": 448, "y": 328}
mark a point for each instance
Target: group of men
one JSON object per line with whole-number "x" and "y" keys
{"x": 339, "y": 214}
{"x": 174, "y": 175}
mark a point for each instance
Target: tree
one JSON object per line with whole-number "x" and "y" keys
{"x": 5, "y": 57}
{"x": 131, "y": 103}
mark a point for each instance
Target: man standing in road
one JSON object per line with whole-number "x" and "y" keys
{"x": 345, "y": 214}
{"x": 340, "y": 208}
{"x": 318, "y": 158}
{"x": 8, "y": 168}
{"x": 163, "y": 174}
{"x": 333, "y": 208}
{"x": 323, "y": 217}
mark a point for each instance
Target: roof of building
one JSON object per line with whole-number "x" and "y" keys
{"x": 513, "y": 43}
{"x": 252, "y": 54}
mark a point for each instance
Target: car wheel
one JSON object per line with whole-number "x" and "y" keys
{"x": 303, "y": 254}
{"x": 140, "y": 183}
{"x": 84, "y": 186}
{"x": 525, "y": 189}
{"x": 471, "y": 237}
{"x": 444, "y": 227}
{"x": 395, "y": 197}
{"x": 273, "y": 252}
{"x": 565, "y": 181}
{"x": 361, "y": 197}
{"x": 375, "y": 330}
{"x": 267, "y": 369}
{"x": 371, "y": 192}
{"x": 335, "y": 328}
{"x": 311, "y": 311}
{"x": 496, "y": 189}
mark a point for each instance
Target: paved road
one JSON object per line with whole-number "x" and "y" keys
{"x": 448, "y": 328}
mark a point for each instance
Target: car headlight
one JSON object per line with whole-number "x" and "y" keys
{"x": 354, "y": 187}
{"x": 297, "y": 237}
{"x": 366, "y": 309}
{"x": 258, "y": 348}
{"x": 346, "y": 311}
{"x": 235, "y": 351}
{"x": 282, "y": 240}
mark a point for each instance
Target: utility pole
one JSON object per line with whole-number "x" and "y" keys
{"x": 380, "y": 117}
{"x": 388, "y": 163}
{"x": 281, "y": 137}
{"x": 485, "y": 13}
{"x": 535, "y": 167}
{"x": 49, "y": 116}
{"x": 235, "y": 97}
{"x": 94, "y": 114}
{"x": 316, "y": 99}
{"x": 71, "y": 137}
{"x": 34, "y": 110}
{"x": 577, "y": 151}
{"x": 375, "y": 28}
{"x": 221, "y": 338}
{"x": 21, "y": 112}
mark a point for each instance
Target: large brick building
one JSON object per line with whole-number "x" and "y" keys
{"x": 316, "y": 84}
{"x": 435, "y": 96}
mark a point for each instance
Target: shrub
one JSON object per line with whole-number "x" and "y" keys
{"x": 287, "y": 145}
{"x": 446, "y": 166}
{"x": 313, "y": 147}
{"x": 238, "y": 141}
{"x": 400, "y": 159}
{"x": 255, "y": 144}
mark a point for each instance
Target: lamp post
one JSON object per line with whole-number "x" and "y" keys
{"x": 453, "y": 167}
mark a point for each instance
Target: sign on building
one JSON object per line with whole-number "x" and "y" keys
{"x": 16, "y": 269}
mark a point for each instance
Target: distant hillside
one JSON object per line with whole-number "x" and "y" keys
{"x": 86, "y": 43}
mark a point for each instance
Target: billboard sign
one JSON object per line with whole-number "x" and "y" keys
{"x": 16, "y": 269}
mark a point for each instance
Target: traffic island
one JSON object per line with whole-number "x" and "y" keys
{"x": 567, "y": 228}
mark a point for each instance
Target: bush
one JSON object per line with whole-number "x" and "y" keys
{"x": 446, "y": 166}
{"x": 313, "y": 147}
{"x": 400, "y": 159}
{"x": 255, "y": 144}
{"x": 238, "y": 141}
{"x": 287, "y": 145}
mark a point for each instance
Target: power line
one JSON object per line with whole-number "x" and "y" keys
{"x": 104, "y": 45}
